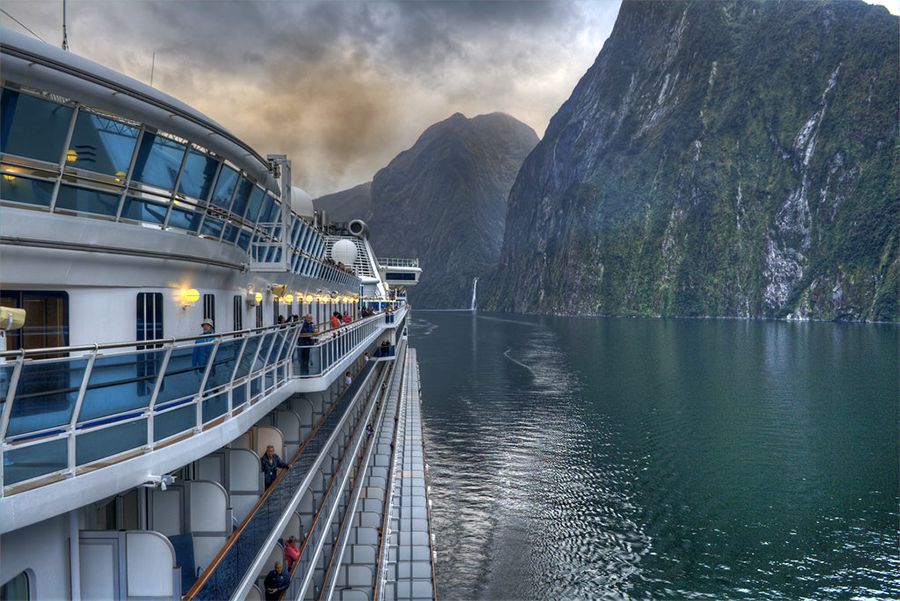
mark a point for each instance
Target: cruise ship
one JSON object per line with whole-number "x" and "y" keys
{"x": 173, "y": 310}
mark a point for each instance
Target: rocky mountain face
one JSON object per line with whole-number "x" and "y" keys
{"x": 731, "y": 158}
{"x": 444, "y": 201}
{"x": 346, "y": 205}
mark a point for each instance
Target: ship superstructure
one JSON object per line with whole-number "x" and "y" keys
{"x": 185, "y": 308}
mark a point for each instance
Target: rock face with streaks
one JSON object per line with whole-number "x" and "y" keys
{"x": 733, "y": 158}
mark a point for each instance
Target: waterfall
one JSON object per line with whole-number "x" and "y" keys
{"x": 474, "y": 294}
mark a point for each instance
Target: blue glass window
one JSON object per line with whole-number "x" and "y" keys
{"x": 158, "y": 161}
{"x": 23, "y": 116}
{"x": 87, "y": 201}
{"x": 256, "y": 201}
{"x": 184, "y": 218}
{"x": 142, "y": 210}
{"x": 231, "y": 233}
{"x": 244, "y": 240}
{"x": 212, "y": 227}
{"x": 22, "y": 189}
{"x": 102, "y": 145}
{"x": 270, "y": 212}
{"x": 243, "y": 195}
{"x": 199, "y": 171}
{"x": 228, "y": 178}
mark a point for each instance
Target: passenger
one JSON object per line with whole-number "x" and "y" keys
{"x": 348, "y": 379}
{"x": 200, "y": 356}
{"x": 269, "y": 465}
{"x": 369, "y": 431}
{"x": 347, "y": 318}
{"x": 276, "y": 582}
{"x": 305, "y": 339}
{"x": 335, "y": 320}
{"x": 366, "y": 356}
{"x": 280, "y": 319}
{"x": 385, "y": 348}
{"x": 291, "y": 553}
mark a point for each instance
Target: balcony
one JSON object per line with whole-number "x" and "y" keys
{"x": 145, "y": 407}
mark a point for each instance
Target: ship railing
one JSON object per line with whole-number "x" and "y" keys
{"x": 69, "y": 410}
{"x": 240, "y": 558}
{"x": 395, "y": 262}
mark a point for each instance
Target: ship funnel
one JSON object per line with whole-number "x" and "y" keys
{"x": 358, "y": 228}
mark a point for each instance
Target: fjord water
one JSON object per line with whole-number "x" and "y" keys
{"x": 575, "y": 458}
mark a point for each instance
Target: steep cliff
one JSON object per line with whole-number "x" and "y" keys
{"x": 444, "y": 201}
{"x": 718, "y": 158}
{"x": 346, "y": 205}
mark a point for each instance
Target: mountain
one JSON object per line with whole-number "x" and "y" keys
{"x": 444, "y": 201}
{"x": 731, "y": 158}
{"x": 347, "y": 205}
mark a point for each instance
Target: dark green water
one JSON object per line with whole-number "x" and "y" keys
{"x": 576, "y": 458}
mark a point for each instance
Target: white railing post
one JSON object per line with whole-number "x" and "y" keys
{"x": 199, "y": 398}
{"x": 151, "y": 406}
{"x": 70, "y": 434}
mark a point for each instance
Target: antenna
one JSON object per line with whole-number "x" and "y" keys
{"x": 152, "y": 68}
{"x": 65, "y": 43}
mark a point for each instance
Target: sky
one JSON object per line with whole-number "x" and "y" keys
{"x": 340, "y": 87}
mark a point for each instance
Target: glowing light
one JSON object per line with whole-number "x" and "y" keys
{"x": 9, "y": 178}
{"x": 258, "y": 297}
{"x": 189, "y": 296}
{"x": 71, "y": 156}
{"x": 288, "y": 298}
{"x": 120, "y": 175}
{"x": 309, "y": 298}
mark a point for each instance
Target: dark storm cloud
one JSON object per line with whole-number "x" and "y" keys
{"x": 341, "y": 87}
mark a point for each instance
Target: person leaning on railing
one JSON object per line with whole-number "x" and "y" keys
{"x": 201, "y": 353}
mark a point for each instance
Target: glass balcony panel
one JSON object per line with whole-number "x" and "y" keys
{"x": 45, "y": 396}
{"x": 24, "y": 115}
{"x": 142, "y": 210}
{"x": 242, "y": 197}
{"x": 106, "y": 442}
{"x": 212, "y": 227}
{"x": 248, "y": 357}
{"x": 238, "y": 395}
{"x": 264, "y": 348}
{"x": 255, "y": 387}
{"x": 25, "y": 190}
{"x": 120, "y": 383}
{"x": 173, "y": 422}
{"x": 185, "y": 219}
{"x": 215, "y": 406}
{"x": 37, "y": 460}
{"x": 87, "y": 201}
{"x": 199, "y": 171}
{"x": 184, "y": 372}
{"x": 102, "y": 145}
{"x": 223, "y": 363}
{"x": 244, "y": 240}
{"x": 158, "y": 161}
{"x": 225, "y": 185}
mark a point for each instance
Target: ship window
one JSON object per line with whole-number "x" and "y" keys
{"x": 242, "y": 196}
{"x": 238, "y": 313}
{"x": 212, "y": 227}
{"x": 87, "y": 201}
{"x": 267, "y": 215}
{"x": 149, "y": 316}
{"x": 102, "y": 145}
{"x": 182, "y": 218}
{"x": 244, "y": 239}
{"x": 225, "y": 186}
{"x": 259, "y": 315}
{"x": 209, "y": 307}
{"x": 15, "y": 188}
{"x": 199, "y": 171}
{"x": 22, "y": 116}
{"x": 231, "y": 233}
{"x": 17, "y": 589}
{"x": 47, "y": 323}
{"x": 255, "y": 204}
{"x": 158, "y": 161}
{"x": 141, "y": 210}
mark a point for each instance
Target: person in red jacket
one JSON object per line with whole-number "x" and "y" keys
{"x": 291, "y": 553}
{"x": 335, "y": 320}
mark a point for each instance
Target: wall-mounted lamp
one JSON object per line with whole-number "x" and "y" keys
{"x": 309, "y": 298}
{"x": 287, "y": 298}
{"x": 189, "y": 296}
{"x": 71, "y": 155}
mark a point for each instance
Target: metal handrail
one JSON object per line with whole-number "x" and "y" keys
{"x": 395, "y": 262}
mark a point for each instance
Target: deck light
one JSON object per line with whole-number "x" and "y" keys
{"x": 258, "y": 297}
{"x": 9, "y": 178}
{"x": 189, "y": 296}
{"x": 71, "y": 155}
{"x": 288, "y": 298}
{"x": 309, "y": 298}
{"x": 119, "y": 176}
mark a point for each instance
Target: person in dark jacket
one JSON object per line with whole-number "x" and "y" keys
{"x": 269, "y": 465}
{"x": 200, "y": 356}
{"x": 276, "y": 582}
{"x": 306, "y": 339}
